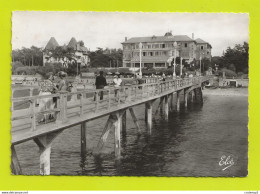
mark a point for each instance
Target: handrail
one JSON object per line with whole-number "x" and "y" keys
{"x": 126, "y": 94}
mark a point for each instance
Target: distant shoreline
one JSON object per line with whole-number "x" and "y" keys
{"x": 226, "y": 92}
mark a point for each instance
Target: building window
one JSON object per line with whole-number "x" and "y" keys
{"x": 201, "y": 47}
{"x": 163, "y": 45}
{"x": 144, "y": 53}
{"x": 151, "y": 53}
{"x": 208, "y": 52}
{"x": 186, "y": 45}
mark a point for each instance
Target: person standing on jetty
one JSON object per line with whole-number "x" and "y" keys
{"x": 117, "y": 83}
{"x": 62, "y": 83}
{"x": 100, "y": 83}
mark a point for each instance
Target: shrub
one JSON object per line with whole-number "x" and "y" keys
{"x": 25, "y": 70}
{"x": 15, "y": 65}
{"x": 228, "y": 72}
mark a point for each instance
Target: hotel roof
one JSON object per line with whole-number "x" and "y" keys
{"x": 177, "y": 38}
{"x": 200, "y": 41}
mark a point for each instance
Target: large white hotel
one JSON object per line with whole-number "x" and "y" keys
{"x": 156, "y": 50}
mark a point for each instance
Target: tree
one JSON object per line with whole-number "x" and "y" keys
{"x": 205, "y": 64}
{"x": 238, "y": 56}
{"x": 28, "y": 56}
{"x": 15, "y": 65}
{"x": 81, "y": 43}
{"x": 106, "y": 58}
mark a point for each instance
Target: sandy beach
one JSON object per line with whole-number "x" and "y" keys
{"x": 226, "y": 91}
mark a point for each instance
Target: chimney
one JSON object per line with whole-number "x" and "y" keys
{"x": 192, "y": 36}
{"x": 125, "y": 39}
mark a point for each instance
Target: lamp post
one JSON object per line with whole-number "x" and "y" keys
{"x": 140, "y": 46}
{"x": 174, "y": 64}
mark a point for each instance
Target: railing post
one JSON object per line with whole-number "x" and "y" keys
{"x": 31, "y": 91}
{"x": 109, "y": 100}
{"x": 97, "y": 100}
{"x": 119, "y": 96}
{"x": 81, "y": 104}
{"x": 62, "y": 116}
{"x": 33, "y": 118}
{"x": 129, "y": 94}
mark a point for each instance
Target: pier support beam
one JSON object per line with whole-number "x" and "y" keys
{"x": 149, "y": 114}
{"x": 159, "y": 106}
{"x": 192, "y": 96}
{"x": 198, "y": 95}
{"x": 44, "y": 143}
{"x": 105, "y": 133}
{"x": 83, "y": 141}
{"x": 166, "y": 107}
{"x": 201, "y": 95}
{"x": 178, "y": 101}
{"x": 186, "y": 93}
{"x": 117, "y": 124}
{"x": 134, "y": 119}
{"x": 114, "y": 120}
{"x": 172, "y": 101}
{"x": 124, "y": 122}
{"x": 15, "y": 165}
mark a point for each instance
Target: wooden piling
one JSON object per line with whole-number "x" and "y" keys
{"x": 124, "y": 122}
{"x": 45, "y": 152}
{"x": 159, "y": 107}
{"x": 145, "y": 113}
{"x": 15, "y": 165}
{"x": 186, "y": 94}
{"x": 172, "y": 101}
{"x": 178, "y": 101}
{"x": 117, "y": 125}
{"x": 201, "y": 95}
{"x": 44, "y": 143}
{"x": 192, "y": 96}
{"x": 149, "y": 114}
{"x": 134, "y": 119}
{"x": 166, "y": 107}
{"x": 105, "y": 133}
{"x": 83, "y": 138}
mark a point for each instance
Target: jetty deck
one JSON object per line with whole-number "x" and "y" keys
{"x": 43, "y": 123}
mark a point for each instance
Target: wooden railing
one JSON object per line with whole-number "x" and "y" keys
{"x": 82, "y": 103}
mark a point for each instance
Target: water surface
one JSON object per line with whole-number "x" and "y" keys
{"x": 190, "y": 143}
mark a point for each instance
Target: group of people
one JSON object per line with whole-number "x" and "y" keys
{"x": 101, "y": 82}
{"x": 47, "y": 88}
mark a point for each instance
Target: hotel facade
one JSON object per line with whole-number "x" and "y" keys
{"x": 156, "y": 50}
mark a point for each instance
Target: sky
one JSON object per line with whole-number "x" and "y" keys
{"x": 109, "y": 29}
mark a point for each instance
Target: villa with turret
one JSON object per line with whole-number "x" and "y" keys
{"x": 156, "y": 50}
{"x": 79, "y": 52}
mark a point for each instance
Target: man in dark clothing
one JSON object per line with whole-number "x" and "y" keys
{"x": 100, "y": 83}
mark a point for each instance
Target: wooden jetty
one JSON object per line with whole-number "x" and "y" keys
{"x": 78, "y": 108}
